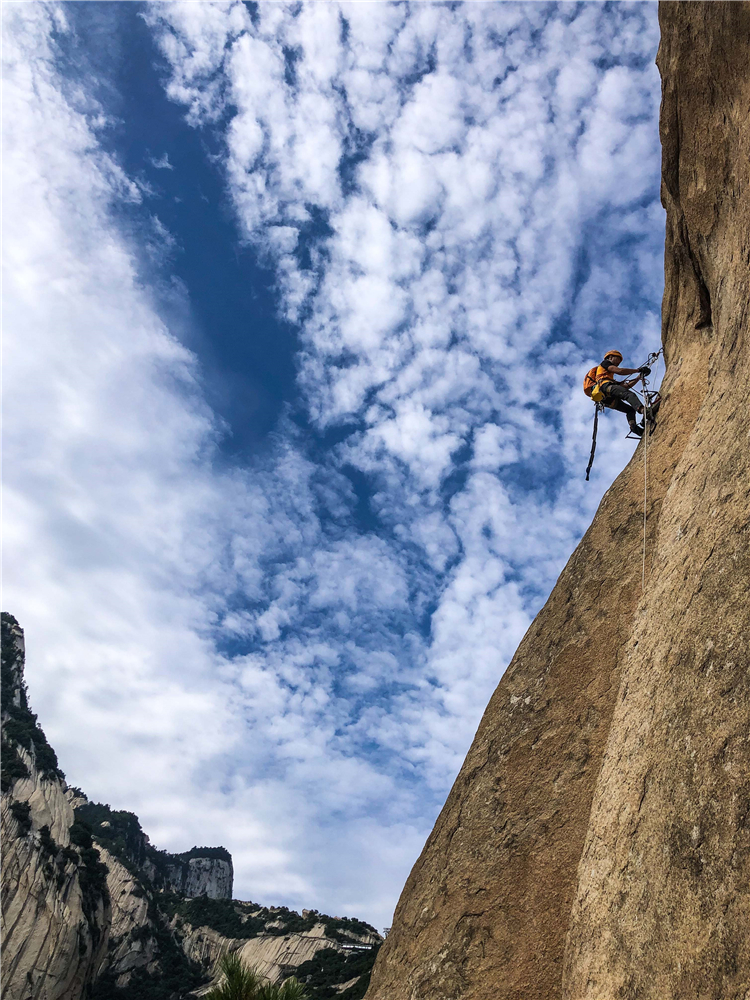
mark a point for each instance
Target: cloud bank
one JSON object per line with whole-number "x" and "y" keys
{"x": 290, "y": 656}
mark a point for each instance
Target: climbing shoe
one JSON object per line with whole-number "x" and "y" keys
{"x": 636, "y": 429}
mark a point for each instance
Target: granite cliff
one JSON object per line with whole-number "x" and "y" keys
{"x": 91, "y": 909}
{"x": 596, "y": 842}
{"x": 55, "y": 902}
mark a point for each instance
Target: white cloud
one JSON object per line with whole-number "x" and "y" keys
{"x": 494, "y": 446}
{"x": 161, "y": 162}
{"x": 498, "y": 158}
{"x": 489, "y": 195}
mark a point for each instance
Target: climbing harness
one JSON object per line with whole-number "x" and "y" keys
{"x": 599, "y": 408}
{"x": 597, "y": 393}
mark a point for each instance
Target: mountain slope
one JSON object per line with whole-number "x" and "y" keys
{"x": 55, "y": 903}
{"x": 90, "y": 909}
{"x": 595, "y": 842}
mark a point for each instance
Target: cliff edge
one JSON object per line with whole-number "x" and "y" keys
{"x": 596, "y": 842}
{"x": 91, "y": 909}
{"x": 55, "y": 902}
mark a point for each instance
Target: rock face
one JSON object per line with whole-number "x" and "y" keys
{"x": 201, "y": 876}
{"x": 275, "y": 956}
{"x": 132, "y": 944}
{"x": 596, "y": 843}
{"x": 55, "y": 905}
{"x": 90, "y": 909}
{"x": 168, "y": 945}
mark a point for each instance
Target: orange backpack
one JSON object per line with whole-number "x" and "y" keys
{"x": 589, "y": 380}
{"x": 592, "y": 385}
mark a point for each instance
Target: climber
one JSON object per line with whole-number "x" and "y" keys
{"x": 600, "y": 385}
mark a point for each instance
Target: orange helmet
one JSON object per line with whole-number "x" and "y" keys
{"x": 614, "y": 354}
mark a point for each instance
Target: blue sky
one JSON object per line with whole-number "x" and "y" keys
{"x": 297, "y": 303}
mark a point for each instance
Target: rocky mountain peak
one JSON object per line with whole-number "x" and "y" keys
{"x": 13, "y": 659}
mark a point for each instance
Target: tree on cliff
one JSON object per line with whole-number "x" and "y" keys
{"x": 240, "y": 982}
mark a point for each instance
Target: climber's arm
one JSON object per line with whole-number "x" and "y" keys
{"x": 614, "y": 370}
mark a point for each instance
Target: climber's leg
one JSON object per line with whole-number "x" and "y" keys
{"x": 612, "y": 390}
{"x": 615, "y": 401}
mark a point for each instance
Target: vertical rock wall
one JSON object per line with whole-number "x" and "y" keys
{"x": 201, "y": 876}
{"x": 663, "y": 901}
{"x": 132, "y": 943}
{"x": 55, "y": 907}
{"x": 54, "y": 933}
{"x": 595, "y": 843}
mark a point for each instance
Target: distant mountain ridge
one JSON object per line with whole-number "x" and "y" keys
{"x": 91, "y": 909}
{"x": 201, "y": 871}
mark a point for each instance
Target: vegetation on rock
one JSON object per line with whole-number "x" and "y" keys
{"x": 13, "y": 767}
{"x": 214, "y": 853}
{"x": 323, "y": 974}
{"x": 176, "y": 977}
{"x": 226, "y": 916}
{"x": 92, "y": 875}
{"x": 116, "y": 829}
{"x": 243, "y": 920}
{"x": 21, "y": 813}
{"x": 121, "y": 833}
{"x": 20, "y": 726}
{"x": 239, "y": 982}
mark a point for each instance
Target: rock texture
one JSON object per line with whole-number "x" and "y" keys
{"x": 91, "y": 909}
{"x": 132, "y": 944}
{"x": 55, "y": 908}
{"x": 274, "y": 956}
{"x": 201, "y": 876}
{"x": 596, "y": 843}
{"x": 663, "y": 900}
{"x": 201, "y": 871}
{"x": 53, "y": 941}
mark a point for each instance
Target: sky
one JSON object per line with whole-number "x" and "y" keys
{"x": 297, "y": 303}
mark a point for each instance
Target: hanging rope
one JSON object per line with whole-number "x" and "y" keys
{"x": 648, "y": 426}
{"x": 646, "y": 432}
{"x": 658, "y": 357}
{"x": 597, "y": 409}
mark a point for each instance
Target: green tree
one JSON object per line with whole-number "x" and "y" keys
{"x": 240, "y": 982}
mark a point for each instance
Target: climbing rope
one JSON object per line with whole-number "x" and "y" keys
{"x": 598, "y": 408}
{"x": 648, "y": 426}
{"x": 646, "y": 434}
{"x": 656, "y": 362}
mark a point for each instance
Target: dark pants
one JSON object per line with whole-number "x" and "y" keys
{"x": 617, "y": 397}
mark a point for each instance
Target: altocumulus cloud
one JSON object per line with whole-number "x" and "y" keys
{"x": 459, "y": 203}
